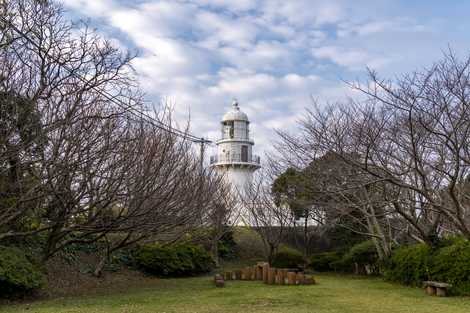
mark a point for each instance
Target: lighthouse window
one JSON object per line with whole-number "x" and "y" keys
{"x": 231, "y": 132}
{"x": 244, "y": 153}
{"x": 228, "y": 129}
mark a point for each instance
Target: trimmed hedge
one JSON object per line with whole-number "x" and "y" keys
{"x": 449, "y": 262}
{"x": 18, "y": 276}
{"x": 227, "y": 246}
{"x": 288, "y": 258}
{"x": 249, "y": 244}
{"x": 409, "y": 265}
{"x": 173, "y": 260}
{"x": 362, "y": 258}
{"x": 359, "y": 257}
{"x": 363, "y": 253}
{"x": 322, "y": 262}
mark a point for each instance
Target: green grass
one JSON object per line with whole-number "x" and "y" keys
{"x": 342, "y": 294}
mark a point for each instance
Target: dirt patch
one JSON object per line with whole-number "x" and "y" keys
{"x": 69, "y": 279}
{"x": 75, "y": 278}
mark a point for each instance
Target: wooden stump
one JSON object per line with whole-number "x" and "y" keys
{"x": 299, "y": 279}
{"x": 248, "y": 273}
{"x": 309, "y": 280}
{"x": 265, "y": 273}
{"x": 218, "y": 277}
{"x": 253, "y": 272}
{"x": 220, "y": 283}
{"x": 284, "y": 276}
{"x": 280, "y": 276}
{"x": 228, "y": 275}
{"x": 291, "y": 278}
{"x": 441, "y": 292}
{"x": 244, "y": 274}
{"x": 431, "y": 290}
{"x": 259, "y": 272}
{"x": 271, "y": 276}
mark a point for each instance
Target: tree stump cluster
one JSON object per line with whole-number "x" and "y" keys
{"x": 269, "y": 275}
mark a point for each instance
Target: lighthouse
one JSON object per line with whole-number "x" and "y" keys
{"x": 235, "y": 159}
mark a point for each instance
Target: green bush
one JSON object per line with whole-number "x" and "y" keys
{"x": 364, "y": 253}
{"x": 360, "y": 257}
{"x": 173, "y": 260}
{"x": 249, "y": 244}
{"x": 451, "y": 264}
{"x": 227, "y": 246}
{"x": 287, "y": 258}
{"x": 344, "y": 264}
{"x": 409, "y": 265}
{"x": 356, "y": 260}
{"x": 322, "y": 262}
{"x": 18, "y": 276}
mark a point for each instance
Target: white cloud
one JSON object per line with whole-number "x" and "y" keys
{"x": 273, "y": 55}
{"x": 90, "y": 8}
{"x": 304, "y": 12}
{"x": 352, "y": 58}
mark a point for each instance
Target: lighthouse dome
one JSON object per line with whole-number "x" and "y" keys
{"x": 235, "y": 114}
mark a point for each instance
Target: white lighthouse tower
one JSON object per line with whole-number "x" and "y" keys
{"x": 234, "y": 158}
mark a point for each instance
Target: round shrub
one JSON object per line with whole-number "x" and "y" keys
{"x": 249, "y": 244}
{"x": 322, "y": 262}
{"x": 18, "y": 276}
{"x": 409, "y": 265}
{"x": 451, "y": 264}
{"x": 287, "y": 258}
{"x": 360, "y": 259}
{"x": 344, "y": 264}
{"x": 200, "y": 259}
{"x": 227, "y": 246}
{"x": 364, "y": 253}
{"x": 173, "y": 260}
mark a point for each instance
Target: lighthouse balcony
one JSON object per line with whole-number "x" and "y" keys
{"x": 235, "y": 139}
{"x": 235, "y": 159}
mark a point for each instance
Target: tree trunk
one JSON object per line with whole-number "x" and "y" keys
{"x": 215, "y": 252}
{"x": 271, "y": 253}
{"x": 306, "y": 240}
{"x": 98, "y": 272}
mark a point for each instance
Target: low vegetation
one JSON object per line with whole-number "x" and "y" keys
{"x": 333, "y": 294}
{"x": 287, "y": 257}
{"x": 450, "y": 263}
{"x": 173, "y": 260}
{"x": 18, "y": 275}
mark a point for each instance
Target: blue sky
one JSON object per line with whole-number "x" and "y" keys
{"x": 272, "y": 55}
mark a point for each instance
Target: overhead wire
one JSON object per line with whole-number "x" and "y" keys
{"x": 138, "y": 113}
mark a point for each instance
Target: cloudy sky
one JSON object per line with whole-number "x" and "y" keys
{"x": 272, "y": 55}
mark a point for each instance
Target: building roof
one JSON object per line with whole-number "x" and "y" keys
{"x": 235, "y": 114}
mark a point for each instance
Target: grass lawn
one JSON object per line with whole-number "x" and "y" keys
{"x": 342, "y": 294}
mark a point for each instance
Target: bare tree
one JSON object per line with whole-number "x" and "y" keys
{"x": 52, "y": 102}
{"x": 165, "y": 194}
{"x": 408, "y": 144}
{"x": 270, "y": 220}
{"x": 81, "y": 161}
{"x": 223, "y": 213}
